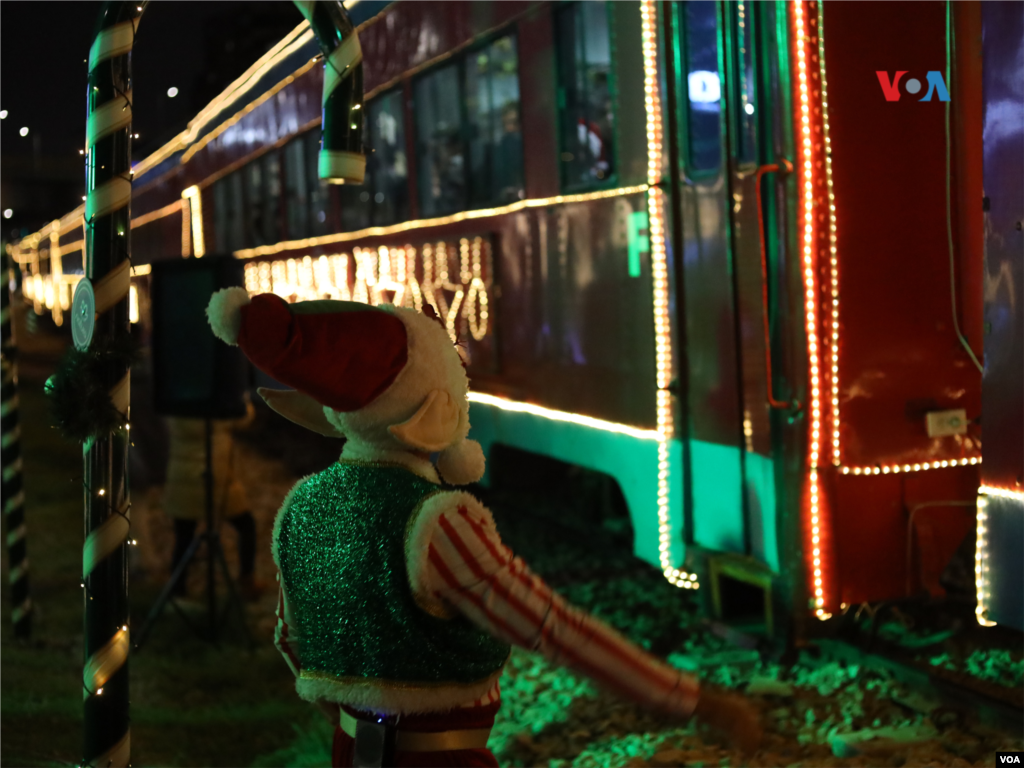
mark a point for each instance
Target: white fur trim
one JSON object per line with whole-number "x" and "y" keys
{"x": 224, "y": 313}
{"x": 421, "y": 531}
{"x": 391, "y": 700}
{"x": 357, "y": 451}
{"x": 433, "y": 363}
{"x": 279, "y": 518}
{"x": 462, "y": 463}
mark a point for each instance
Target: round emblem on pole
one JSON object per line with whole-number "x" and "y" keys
{"x": 83, "y": 314}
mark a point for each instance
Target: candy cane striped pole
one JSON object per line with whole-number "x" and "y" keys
{"x": 11, "y": 491}
{"x": 107, "y": 250}
{"x": 341, "y": 129}
{"x": 105, "y": 298}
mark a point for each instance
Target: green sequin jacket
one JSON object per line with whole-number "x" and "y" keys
{"x": 341, "y": 545}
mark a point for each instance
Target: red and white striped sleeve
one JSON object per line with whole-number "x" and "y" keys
{"x": 469, "y": 568}
{"x": 286, "y": 637}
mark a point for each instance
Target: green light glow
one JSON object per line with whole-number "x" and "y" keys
{"x": 638, "y": 243}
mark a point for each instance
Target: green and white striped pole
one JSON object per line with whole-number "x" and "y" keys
{"x": 12, "y": 492}
{"x": 341, "y": 127}
{"x": 100, "y": 312}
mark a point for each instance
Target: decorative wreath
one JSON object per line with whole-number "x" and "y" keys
{"x": 79, "y": 391}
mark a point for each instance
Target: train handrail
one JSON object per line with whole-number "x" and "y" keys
{"x": 785, "y": 166}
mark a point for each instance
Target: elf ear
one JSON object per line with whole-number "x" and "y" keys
{"x": 433, "y": 426}
{"x": 299, "y": 408}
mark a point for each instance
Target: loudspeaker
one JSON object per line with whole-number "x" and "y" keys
{"x": 195, "y": 374}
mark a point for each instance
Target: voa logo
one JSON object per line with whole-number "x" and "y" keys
{"x": 1009, "y": 759}
{"x": 891, "y": 85}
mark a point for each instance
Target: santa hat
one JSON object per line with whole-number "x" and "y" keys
{"x": 386, "y": 374}
{"x": 340, "y": 353}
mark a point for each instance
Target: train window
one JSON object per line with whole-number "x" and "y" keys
{"x": 316, "y": 191}
{"x": 272, "y": 197}
{"x": 254, "y": 201}
{"x": 492, "y": 107}
{"x": 440, "y": 147}
{"x": 703, "y": 89}
{"x": 747, "y": 111}
{"x": 354, "y": 200}
{"x": 229, "y": 219}
{"x": 263, "y": 191}
{"x": 585, "y": 99}
{"x": 386, "y": 168}
{"x": 296, "y": 189}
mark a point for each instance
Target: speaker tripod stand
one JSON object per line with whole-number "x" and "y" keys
{"x": 214, "y": 558}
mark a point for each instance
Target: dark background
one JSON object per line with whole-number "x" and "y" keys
{"x": 197, "y": 47}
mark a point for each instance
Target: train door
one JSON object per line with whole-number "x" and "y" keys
{"x": 759, "y": 141}
{"x": 709, "y": 365}
{"x": 735, "y": 139}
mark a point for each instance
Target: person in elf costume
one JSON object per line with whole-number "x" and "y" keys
{"x": 399, "y": 602}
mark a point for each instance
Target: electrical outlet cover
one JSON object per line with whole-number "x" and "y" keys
{"x": 945, "y": 423}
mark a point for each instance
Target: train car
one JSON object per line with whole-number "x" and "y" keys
{"x": 728, "y": 254}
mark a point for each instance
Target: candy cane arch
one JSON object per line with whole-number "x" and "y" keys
{"x": 101, "y": 312}
{"x": 12, "y": 494}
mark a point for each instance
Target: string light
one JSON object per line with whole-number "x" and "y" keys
{"x": 806, "y": 179}
{"x": 1003, "y": 493}
{"x": 659, "y": 273}
{"x": 419, "y": 224}
{"x": 291, "y": 42}
{"x": 192, "y": 198}
{"x": 894, "y": 469}
{"x": 981, "y": 564}
{"x": 981, "y": 585}
{"x": 56, "y": 282}
{"x": 167, "y": 210}
{"x": 833, "y": 245}
{"x": 237, "y": 117}
{"x": 564, "y": 416}
{"x": 389, "y": 275}
{"x": 133, "y": 304}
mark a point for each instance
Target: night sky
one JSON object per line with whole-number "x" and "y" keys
{"x": 197, "y": 47}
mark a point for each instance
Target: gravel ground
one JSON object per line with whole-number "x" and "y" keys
{"x": 552, "y": 717}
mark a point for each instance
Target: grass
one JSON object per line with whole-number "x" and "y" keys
{"x": 191, "y": 704}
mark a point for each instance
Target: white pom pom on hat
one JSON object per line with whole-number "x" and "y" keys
{"x": 461, "y": 463}
{"x": 225, "y": 313}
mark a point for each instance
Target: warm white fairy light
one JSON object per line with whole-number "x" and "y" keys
{"x": 895, "y": 469}
{"x": 564, "y": 416}
{"x": 440, "y": 221}
{"x": 659, "y": 275}
{"x": 476, "y": 298}
{"x": 56, "y": 274}
{"x": 388, "y": 275}
{"x": 1003, "y": 493}
{"x": 133, "y": 304}
{"x": 981, "y": 563}
{"x": 194, "y": 201}
{"x": 833, "y": 244}
{"x": 186, "y": 228}
{"x": 675, "y": 576}
{"x": 811, "y": 306}
{"x": 981, "y": 583}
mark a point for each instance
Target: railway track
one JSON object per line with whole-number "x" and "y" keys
{"x": 937, "y": 688}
